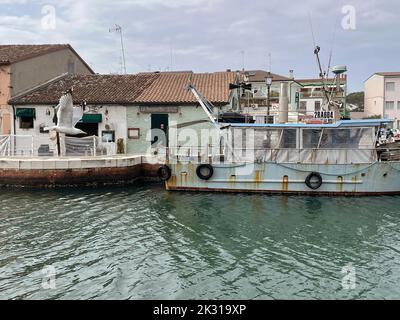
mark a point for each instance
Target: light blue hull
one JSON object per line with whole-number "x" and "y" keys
{"x": 337, "y": 179}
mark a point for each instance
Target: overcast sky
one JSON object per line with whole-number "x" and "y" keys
{"x": 211, "y": 35}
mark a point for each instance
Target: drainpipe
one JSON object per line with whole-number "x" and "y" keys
{"x": 14, "y": 129}
{"x": 14, "y": 121}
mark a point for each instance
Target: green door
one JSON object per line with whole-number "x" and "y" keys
{"x": 159, "y": 129}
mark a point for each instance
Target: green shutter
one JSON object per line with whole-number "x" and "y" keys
{"x": 26, "y": 113}
{"x": 92, "y": 118}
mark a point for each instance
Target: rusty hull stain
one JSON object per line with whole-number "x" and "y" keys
{"x": 340, "y": 183}
{"x": 285, "y": 183}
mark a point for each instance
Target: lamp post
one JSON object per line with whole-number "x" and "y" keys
{"x": 268, "y": 81}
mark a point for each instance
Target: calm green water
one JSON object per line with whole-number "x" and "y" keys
{"x": 146, "y": 243}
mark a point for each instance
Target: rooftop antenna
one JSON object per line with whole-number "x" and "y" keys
{"x": 242, "y": 52}
{"x": 118, "y": 29}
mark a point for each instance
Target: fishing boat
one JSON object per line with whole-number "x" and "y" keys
{"x": 331, "y": 156}
{"x": 325, "y": 159}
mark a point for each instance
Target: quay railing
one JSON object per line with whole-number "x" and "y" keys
{"x": 36, "y": 146}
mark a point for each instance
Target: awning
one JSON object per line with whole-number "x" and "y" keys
{"x": 26, "y": 113}
{"x": 92, "y": 118}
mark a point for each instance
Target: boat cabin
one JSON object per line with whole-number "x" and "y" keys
{"x": 343, "y": 142}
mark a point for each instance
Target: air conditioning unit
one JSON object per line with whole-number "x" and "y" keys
{"x": 254, "y": 106}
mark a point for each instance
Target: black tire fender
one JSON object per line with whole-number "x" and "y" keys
{"x": 314, "y": 180}
{"x": 164, "y": 173}
{"x": 205, "y": 167}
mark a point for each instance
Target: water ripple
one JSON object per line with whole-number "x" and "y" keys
{"x": 146, "y": 243}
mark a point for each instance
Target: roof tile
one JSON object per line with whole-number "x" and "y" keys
{"x": 113, "y": 89}
{"x": 13, "y": 53}
{"x": 171, "y": 88}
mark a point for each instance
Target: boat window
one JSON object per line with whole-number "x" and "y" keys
{"x": 349, "y": 138}
{"x": 311, "y": 138}
{"x": 289, "y": 139}
{"x": 267, "y": 138}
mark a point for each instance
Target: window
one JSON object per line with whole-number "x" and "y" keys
{"x": 289, "y": 139}
{"x": 317, "y": 105}
{"x": 26, "y": 123}
{"x": 398, "y": 105}
{"x": 108, "y": 136}
{"x": 134, "y": 133}
{"x": 311, "y": 138}
{"x": 26, "y": 117}
{"x": 389, "y": 105}
{"x": 303, "y": 105}
{"x": 390, "y": 86}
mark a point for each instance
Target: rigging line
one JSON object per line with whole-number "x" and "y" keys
{"x": 335, "y": 28}
{"x": 328, "y": 174}
{"x": 312, "y": 29}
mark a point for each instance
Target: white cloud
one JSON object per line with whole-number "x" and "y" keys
{"x": 208, "y": 35}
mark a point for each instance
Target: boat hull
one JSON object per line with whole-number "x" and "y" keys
{"x": 380, "y": 178}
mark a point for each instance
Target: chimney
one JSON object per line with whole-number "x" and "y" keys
{"x": 291, "y": 74}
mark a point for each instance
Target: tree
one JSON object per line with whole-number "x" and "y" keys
{"x": 355, "y": 101}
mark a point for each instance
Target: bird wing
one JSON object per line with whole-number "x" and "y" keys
{"x": 77, "y": 115}
{"x": 65, "y": 111}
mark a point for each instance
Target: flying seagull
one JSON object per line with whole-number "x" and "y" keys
{"x": 67, "y": 116}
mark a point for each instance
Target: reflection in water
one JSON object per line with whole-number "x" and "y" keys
{"x": 147, "y": 243}
{"x": 313, "y": 206}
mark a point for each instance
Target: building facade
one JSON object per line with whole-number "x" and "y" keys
{"x": 23, "y": 67}
{"x": 254, "y": 103}
{"x": 168, "y": 107}
{"x": 382, "y": 96}
{"x": 123, "y": 114}
{"x": 312, "y": 95}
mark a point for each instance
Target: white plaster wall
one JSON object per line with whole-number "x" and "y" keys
{"x": 115, "y": 119}
{"x": 374, "y": 96}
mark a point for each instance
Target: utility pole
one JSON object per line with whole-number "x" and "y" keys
{"x": 118, "y": 29}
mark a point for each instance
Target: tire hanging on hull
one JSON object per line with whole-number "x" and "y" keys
{"x": 164, "y": 173}
{"x": 205, "y": 171}
{"x": 314, "y": 180}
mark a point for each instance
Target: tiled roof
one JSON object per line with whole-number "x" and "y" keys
{"x": 10, "y": 54}
{"x": 112, "y": 89}
{"x": 259, "y": 76}
{"x": 319, "y": 80}
{"x": 142, "y": 88}
{"x": 389, "y": 74}
{"x": 169, "y": 88}
{"x": 14, "y": 53}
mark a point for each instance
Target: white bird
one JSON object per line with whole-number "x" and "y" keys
{"x": 67, "y": 116}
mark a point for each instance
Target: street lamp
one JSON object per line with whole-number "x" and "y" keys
{"x": 268, "y": 81}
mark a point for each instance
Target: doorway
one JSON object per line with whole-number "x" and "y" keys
{"x": 159, "y": 122}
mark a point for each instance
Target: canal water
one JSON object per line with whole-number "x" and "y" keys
{"x": 146, "y": 243}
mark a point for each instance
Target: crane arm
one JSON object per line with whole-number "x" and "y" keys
{"x": 204, "y": 103}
